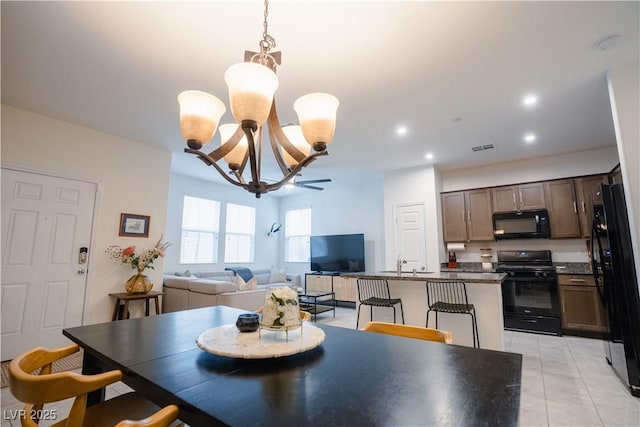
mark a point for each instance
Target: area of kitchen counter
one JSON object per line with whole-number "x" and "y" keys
{"x": 482, "y": 292}
{"x": 476, "y": 277}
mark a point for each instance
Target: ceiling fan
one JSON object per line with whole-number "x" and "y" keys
{"x": 305, "y": 183}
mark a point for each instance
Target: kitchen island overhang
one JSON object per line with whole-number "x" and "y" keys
{"x": 484, "y": 291}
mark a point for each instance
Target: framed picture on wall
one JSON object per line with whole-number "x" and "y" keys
{"x": 132, "y": 225}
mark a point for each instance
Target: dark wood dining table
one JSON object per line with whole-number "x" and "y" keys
{"x": 353, "y": 378}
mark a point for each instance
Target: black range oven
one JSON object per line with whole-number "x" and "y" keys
{"x": 530, "y": 291}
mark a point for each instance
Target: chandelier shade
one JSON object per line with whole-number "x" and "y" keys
{"x": 200, "y": 113}
{"x": 317, "y": 116}
{"x": 236, "y": 156}
{"x": 251, "y": 89}
{"x": 295, "y": 136}
{"x": 252, "y": 85}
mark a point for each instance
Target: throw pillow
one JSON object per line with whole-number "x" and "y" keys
{"x": 277, "y": 276}
{"x": 246, "y": 286}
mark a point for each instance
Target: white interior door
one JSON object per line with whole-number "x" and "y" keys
{"x": 45, "y": 222}
{"x": 410, "y": 236}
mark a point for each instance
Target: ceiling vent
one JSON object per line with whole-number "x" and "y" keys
{"x": 483, "y": 147}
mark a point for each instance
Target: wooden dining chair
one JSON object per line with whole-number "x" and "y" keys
{"x": 408, "y": 331}
{"x": 31, "y": 382}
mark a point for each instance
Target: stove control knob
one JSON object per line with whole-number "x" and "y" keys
{"x": 545, "y": 274}
{"x": 537, "y": 274}
{"x": 511, "y": 273}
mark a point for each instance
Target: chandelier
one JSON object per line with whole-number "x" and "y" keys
{"x": 252, "y": 85}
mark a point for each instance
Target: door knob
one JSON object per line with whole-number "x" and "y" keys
{"x": 81, "y": 271}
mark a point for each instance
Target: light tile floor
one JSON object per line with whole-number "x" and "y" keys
{"x": 565, "y": 382}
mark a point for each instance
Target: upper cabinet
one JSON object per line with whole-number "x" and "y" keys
{"x": 615, "y": 176}
{"x": 589, "y": 195}
{"x": 518, "y": 197}
{"x": 466, "y": 216}
{"x": 562, "y": 205}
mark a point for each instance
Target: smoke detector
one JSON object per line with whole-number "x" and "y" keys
{"x": 608, "y": 42}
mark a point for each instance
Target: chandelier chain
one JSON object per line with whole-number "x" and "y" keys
{"x": 267, "y": 43}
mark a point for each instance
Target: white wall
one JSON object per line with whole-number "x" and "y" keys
{"x": 624, "y": 95}
{"x": 346, "y": 210}
{"x": 132, "y": 177}
{"x": 416, "y": 185}
{"x": 587, "y": 162}
{"x": 266, "y": 248}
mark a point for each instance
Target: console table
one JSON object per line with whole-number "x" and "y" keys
{"x": 126, "y": 297}
{"x": 344, "y": 288}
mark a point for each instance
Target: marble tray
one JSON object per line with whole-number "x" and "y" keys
{"x": 227, "y": 341}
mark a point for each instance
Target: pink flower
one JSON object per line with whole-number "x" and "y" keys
{"x": 129, "y": 251}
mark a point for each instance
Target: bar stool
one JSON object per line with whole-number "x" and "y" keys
{"x": 375, "y": 293}
{"x": 451, "y": 297}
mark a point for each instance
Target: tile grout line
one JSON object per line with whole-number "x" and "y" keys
{"x": 544, "y": 388}
{"x": 595, "y": 406}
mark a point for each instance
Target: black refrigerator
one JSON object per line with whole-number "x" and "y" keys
{"x": 615, "y": 276}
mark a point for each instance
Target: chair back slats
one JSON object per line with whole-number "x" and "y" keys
{"x": 371, "y": 289}
{"x": 449, "y": 296}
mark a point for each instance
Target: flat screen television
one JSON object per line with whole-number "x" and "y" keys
{"x": 337, "y": 253}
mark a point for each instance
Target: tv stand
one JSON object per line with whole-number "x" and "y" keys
{"x": 344, "y": 288}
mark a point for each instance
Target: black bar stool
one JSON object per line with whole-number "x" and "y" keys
{"x": 375, "y": 293}
{"x": 451, "y": 297}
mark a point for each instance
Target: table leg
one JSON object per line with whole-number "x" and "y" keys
{"x": 146, "y": 307}
{"x": 115, "y": 310}
{"x": 90, "y": 366}
{"x": 126, "y": 309}
{"x": 157, "y": 305}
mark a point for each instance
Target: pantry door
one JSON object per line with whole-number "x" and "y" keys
{"x": 410, "y": 236}
{"x": 45, "y": 222}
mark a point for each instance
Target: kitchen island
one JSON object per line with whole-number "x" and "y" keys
{"x": 484, "y": 291}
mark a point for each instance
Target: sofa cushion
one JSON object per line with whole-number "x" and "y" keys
{"x": 277, "y": 276}
{"x": 263, "y": 276}
{"x": 215, "y": 275}
{"x": 252, "y": 284}
{"x": 206, "y": 286}
{"x": 171, "y": 281}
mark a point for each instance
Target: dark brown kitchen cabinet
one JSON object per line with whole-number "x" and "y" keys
{"x": 589, "y": 195}
{"x": 518, "y": 197}
{"x": 466, "y": 216}
{"x": 582, "y": 309}
{"x": 562, "y": 205}
{"x": 615, "y": 177}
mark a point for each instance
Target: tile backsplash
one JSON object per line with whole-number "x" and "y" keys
{"x": 570, "y": 250}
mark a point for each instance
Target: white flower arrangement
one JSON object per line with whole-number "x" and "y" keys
{"x": 281, "y": 308}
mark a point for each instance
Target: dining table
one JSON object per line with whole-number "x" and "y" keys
{"x": 352, "y": 378}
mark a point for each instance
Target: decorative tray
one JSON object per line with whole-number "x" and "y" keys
{"x": 227, "y": 341}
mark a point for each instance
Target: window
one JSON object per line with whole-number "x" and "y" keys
{"x": 297, "y": 235}
{"x": 200, "y": 225}
{"x": 241, "y": 230}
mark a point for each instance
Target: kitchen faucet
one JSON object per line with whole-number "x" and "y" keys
{"x": 399, "y": 262}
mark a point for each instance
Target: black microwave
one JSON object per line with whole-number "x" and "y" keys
{"x": 532, "y": 224}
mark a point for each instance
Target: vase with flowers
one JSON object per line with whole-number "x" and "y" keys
{"x": 138, "y": 283}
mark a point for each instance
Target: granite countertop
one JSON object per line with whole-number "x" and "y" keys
{"x": 561, "y": 268}
{"x": 472, "y": 277}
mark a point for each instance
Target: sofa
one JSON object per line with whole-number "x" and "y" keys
{"x": 187, "y": 290}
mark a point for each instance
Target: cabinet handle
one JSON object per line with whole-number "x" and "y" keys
{"x": 520, "y": 197}
{"x": 578, "y": 280}
{"x": 575, "y": 208}
{"x": 468, "y": 216}
{"x": 584, "y": 209}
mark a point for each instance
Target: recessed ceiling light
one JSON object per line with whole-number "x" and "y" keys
{"x": 529, "y": 138}
{"x": 429, "y": 156}
{"x": 401, "y": 130}
{"x": 530, "y": 100}
{"x": 457, "y": 119}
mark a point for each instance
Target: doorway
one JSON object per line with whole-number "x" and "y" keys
{"x": 46, "y": 226}
{"x": 410, "y": 237}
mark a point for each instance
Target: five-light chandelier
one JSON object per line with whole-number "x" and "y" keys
{"x": 252, "y": 85}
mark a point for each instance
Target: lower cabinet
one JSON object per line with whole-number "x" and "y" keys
{"x": 582, "y": 309}
{"x": 344, "y": 288}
